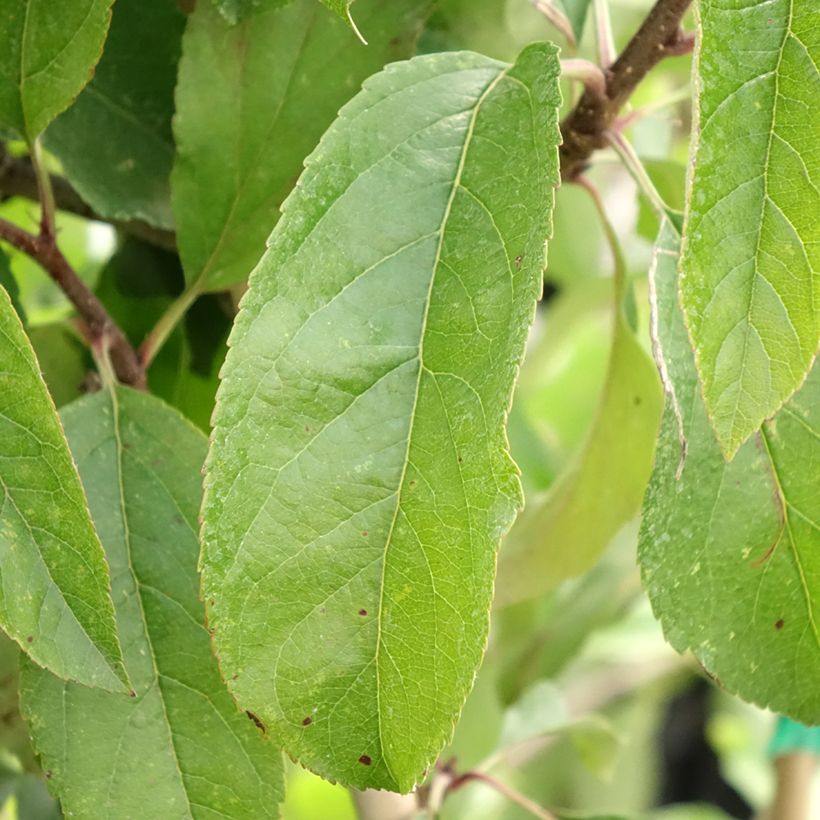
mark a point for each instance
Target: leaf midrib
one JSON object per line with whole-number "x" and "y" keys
{"x": 442, "y": 228}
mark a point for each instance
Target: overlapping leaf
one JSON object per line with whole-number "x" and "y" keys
{"x": 235, "y": 11}
{"x": 730, "y": 553}
{"x": 179, "y": 747}
{"x": 49, "y": 52}
{"x": 277, "y": 80}
{"x": 359, "y": 479}
{"x": 54, "y": 590}
{"x": 564, "y": 532}
{"x": 751, "y": 253}
{"x": 115, "y": 142}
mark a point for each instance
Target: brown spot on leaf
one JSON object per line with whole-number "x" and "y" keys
{"x": 518, "y": 260}
{"x": 362, "y": 612}
{"x": 307, "y": 721}
{"x": 30, "y": 639}
{"x": 259, "y": 725}
{"x": 779, "y": 624}
{"x": 364, "y": 533}
{"x": 365, "y": 760}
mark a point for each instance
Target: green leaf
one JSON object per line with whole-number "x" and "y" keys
{"x": 48, "y": 55}
{"x": 564, "y": 532}
{"x": 54, "y": 596}
{"x": 359, "y": 479}
{"x": 115, "y": 142}
{"x": 180, "y": 733}
{"x": 279, "y": 78}
{"x": 234, "y": 11}
{"x": 730, "y": 553}
{"x": 751, "y": 254}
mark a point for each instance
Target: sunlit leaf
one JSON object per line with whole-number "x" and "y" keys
{"x": 180, "y": 733}
{"x": 751, "y": 254}
{"x": 54, "y": 595}
{"x": 730, "y": 553}
{"x": 359, "y": 479}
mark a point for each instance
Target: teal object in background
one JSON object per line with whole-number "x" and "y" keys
{"x": 790, "y": 736}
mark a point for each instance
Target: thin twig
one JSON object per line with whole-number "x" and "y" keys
{"x": 166, "y": 323}
{"x": 18, "y": 178}
{"x": 502, "y": 788}
{"x": 583, "y": 129}
{"x": 96, "y": 323}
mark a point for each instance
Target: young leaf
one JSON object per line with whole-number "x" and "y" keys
{"x": 48, "y": 55}
{"x": 115, "y": 142}
{"x": 564, "y": 532}
{"x": 279, "y": 78}
{"x": 359, "y": 480}
{"x": 730, "y": 553}
{"x": 54, "y": 595}
{"x": 751, "y": 250}
{"x": 139, "y": 461}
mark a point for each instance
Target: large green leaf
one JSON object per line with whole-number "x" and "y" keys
{"x": 54, "y": 596}
{"x": 48, "y": 55}
{"x": 359, "y": 479}
{"x": 751, "y": 254}
{"x": 730, "y": 553}
{"x": 563, "y": 533}
{"x": 179, "y": 747}
{"x": 115, "y": 142}
{"x": 278, "y": 80}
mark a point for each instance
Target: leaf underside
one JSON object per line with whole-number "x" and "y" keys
{"x": 358, "y": 480}
{"x": 278, "y": 79}
{"x": 751, "y": 256}
{"x": 730, "y": 553}
{"x": 54, "y": 590}
{"x": 48, "y": 55}
{"x": 139, "y": 461}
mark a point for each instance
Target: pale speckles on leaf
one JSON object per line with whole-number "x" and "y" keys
{"x": 355, "y": 493}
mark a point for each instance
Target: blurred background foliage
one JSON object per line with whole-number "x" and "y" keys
{"x": 579, "y": 704}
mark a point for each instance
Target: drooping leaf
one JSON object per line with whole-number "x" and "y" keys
{"x": 54, "y": 595}
{"x": 115, "y": 142}
{"x": 359, "y": 480}
{"x": 48, "y": 55}
{"x": 278, "y": 80}
{"x": 563, "y": 533}
{"x": 751, "y": 254}
{"x": 139, "y": 461}
{"x": 730, "y": 553}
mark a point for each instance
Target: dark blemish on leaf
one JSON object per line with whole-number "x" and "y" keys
{"x": 364, "y": 533}
{"x": 259, "y": 725}
{"x": 362, "y": 612}
{"x": 235, "y": 676}
{"x": 132, "y": 694}
{"x": 322, "y": 611}
{"x": 212, "y": 602}
{"x": 778, "y": 624}
{"x": 30, "y": 639}
{"x": 365, "y": 760}
{"x": 637, "y": 401}
{"x": 413, "y": 482}
{"x": 460, "y": 459}
{"x": 307, "y": 721}
{"x": 47, "y": 775}
{"x": 518, "y": 260}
